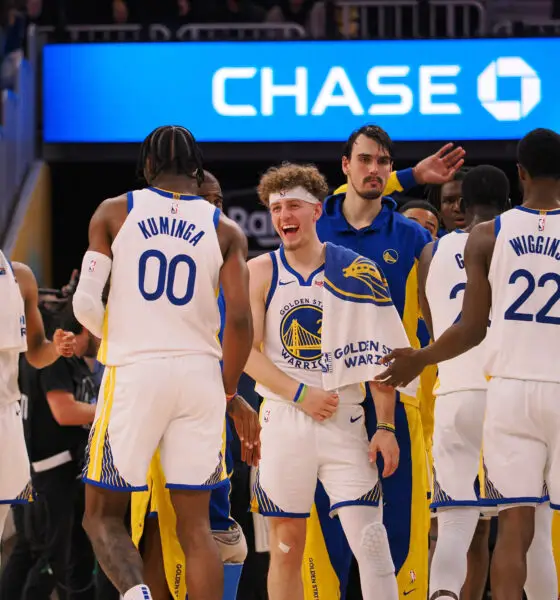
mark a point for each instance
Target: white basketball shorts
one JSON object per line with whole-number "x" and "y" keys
{"x": 522, "y": 442}
{"x": 176, "y": 403}
{"x": 14, "y": 462}
{"x": 296, "y": 450}
{"x": 458, "y": 426}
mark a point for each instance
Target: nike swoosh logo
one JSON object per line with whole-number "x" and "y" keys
{"x": 353, "y": 420}
{"x": 286, "y": 282}
{"x": 409, "y": 592}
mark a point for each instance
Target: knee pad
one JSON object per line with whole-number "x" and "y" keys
{"x": 231, "y": 544}
{"x": 375, "y": 545}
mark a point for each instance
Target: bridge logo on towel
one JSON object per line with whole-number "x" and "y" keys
{"x": 360, "y": 281}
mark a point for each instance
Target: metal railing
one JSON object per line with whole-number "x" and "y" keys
{"x": 389, "y": 19}
{"x": 241, "y": 31}
{"x": 17, "y": 133}
{"x": 540, "y": 27}
{"x": 162, "y": 33}
{"x": 463, "y": 18}
{"x": 108, "y": 33}
{"x": 379, "y": 18}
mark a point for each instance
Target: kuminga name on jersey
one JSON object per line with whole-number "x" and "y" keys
{"x": 164, "y": 280}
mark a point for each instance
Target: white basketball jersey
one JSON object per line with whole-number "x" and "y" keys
{"x": 445, "y": 287}
{"x": 525, "y": 277}
{"x": 164, "y": 280}
{"x": 13, "y": 333}
{"x": 293, "y": 323}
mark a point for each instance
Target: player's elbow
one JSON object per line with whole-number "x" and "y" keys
{"x": 89, "y": 312}
{"x": 473, "y": 333}
{"x": 241, "y": 321}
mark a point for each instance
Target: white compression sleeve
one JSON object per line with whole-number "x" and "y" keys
{"x": 368, "y": 541}
{"x": 456, "y": 527}
{"x": 87, "y": 302}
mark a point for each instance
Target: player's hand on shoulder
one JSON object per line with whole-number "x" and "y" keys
{"x": 319, "y": 404}
{"x": 246, "y": 421}
{"x": 65, "y": 342}
{"x": 385, "y": 443}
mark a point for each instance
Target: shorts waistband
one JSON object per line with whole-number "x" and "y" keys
{"x": 53, "y": 461}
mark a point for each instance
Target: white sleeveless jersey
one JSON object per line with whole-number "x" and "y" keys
{"x": 9, "y": 369}
{"x": 164, "y": 280}
{"x": 13, "y": 333}
{"x": 525, "y": 277}
{"x": 292, "y": 331}
{"x": 445, "y": 287}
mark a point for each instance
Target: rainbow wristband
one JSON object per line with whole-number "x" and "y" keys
{"x": 300, "y": 394}
{"x": 386, "y": 427}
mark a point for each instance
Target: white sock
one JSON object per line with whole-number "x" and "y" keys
{"x": 368, "y": 541}
{"x": 541, "y": 583}
{"x": 456, "y": 527}
{"x": 138, "y": 592}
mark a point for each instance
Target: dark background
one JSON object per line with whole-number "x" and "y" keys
{"x": 79, "y": 187}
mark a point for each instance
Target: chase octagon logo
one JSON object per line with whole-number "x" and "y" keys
{"x": 530, "y": 86}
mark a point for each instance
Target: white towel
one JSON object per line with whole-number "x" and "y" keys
{"x": 360, "y": 321}
{"x": 12, "y": 311}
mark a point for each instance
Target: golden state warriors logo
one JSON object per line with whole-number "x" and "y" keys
{"x": 390, "y": 256}
{"x": 300, "y": 332}
{"x": 361, "y": 281}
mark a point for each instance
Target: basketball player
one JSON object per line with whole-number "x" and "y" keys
{"x": 308, "y": 432}
{"x": 164, "y": 563}
{"x": 511, "y": 265}
{"x": 21, "y": 330}
{"x": 167, "y": 251}
{"x": 461, "y": 393}
{"x": 446, "y": 198}
{"x": 424, "y": 214}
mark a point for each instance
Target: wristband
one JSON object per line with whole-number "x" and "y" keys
{"x": 386, "y": 427}
{"x": 300, "y": 393}
{"x": 230, "y": 397}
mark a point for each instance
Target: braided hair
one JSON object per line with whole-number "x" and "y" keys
{"x": 171, "y": 149}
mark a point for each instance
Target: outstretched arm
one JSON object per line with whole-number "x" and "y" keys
{"x": 463, "y": 335}
{"x": 40, "y": 352}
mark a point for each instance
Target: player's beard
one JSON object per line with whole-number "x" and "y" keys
{"x": 370, "y": 194}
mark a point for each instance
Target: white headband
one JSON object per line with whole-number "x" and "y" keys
{"x": 296, "y": 193}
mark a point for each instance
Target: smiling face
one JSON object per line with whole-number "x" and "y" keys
{"x": 294, "y": 221}
{"x": 368, "y": 168}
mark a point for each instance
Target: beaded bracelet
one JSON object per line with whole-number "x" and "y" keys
{"x": 386, "y": 427}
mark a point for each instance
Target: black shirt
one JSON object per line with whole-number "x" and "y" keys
{"x": 45, "y": 437}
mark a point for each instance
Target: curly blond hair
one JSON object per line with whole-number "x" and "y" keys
{"x": 289, "y": 175}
